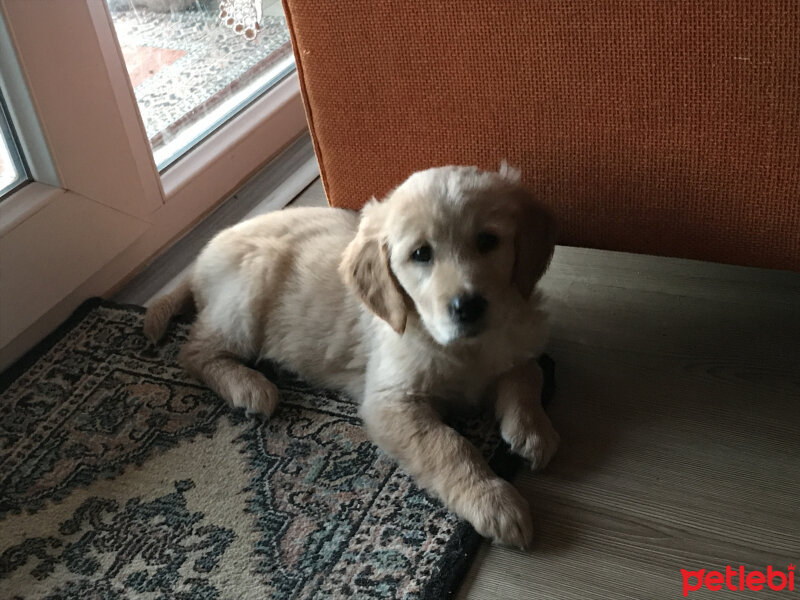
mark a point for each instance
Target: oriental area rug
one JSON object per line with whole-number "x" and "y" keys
{"x": 124, "y": 478}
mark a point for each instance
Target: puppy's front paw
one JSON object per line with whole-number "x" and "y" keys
{"x": 254, "y": 393}
{"x": 501, "y": 513}
{"x": 537, "y": 444}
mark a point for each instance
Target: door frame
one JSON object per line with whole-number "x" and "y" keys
{"x": 98, "y": 209}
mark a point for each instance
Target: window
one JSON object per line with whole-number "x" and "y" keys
{"x": 191, "y": 70}
{"x": 12, "y": 168}
{"x": 97, "y": 129}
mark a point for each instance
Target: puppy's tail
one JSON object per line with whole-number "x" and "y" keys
{"x": 160, "y": 312}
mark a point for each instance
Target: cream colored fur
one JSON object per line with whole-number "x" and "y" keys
{"x": 338, "y": 298}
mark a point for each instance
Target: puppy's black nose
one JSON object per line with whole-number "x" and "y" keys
{"x": 467, "y": 308}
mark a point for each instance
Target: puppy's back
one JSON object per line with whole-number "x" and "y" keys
{"x": 272, "y": 285}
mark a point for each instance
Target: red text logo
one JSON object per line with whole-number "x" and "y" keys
{"x": 738, "y": 579}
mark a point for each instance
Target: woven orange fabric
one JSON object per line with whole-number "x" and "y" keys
{"x": 660, "y": 127}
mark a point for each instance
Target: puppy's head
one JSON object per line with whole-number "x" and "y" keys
{"x": 457, "y": 245}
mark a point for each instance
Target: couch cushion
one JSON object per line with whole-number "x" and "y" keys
{"x": 656, "y": 127}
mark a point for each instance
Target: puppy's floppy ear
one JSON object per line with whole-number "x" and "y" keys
{"x": 365, "y": 269}
{"x": 534, "y": 242}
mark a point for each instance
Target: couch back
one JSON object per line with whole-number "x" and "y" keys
{"x": 660, "y": 127}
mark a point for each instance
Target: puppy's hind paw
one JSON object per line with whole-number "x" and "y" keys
{"x": 254, "y": 393}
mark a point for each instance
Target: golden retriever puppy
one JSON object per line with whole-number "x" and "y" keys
{"x": 424, "y": 303}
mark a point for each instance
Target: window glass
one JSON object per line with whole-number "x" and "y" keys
{"x": 195, "y": 63}
{"x": 12, "y": 168}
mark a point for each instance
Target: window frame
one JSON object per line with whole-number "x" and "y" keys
{"x": 89, "y": 156}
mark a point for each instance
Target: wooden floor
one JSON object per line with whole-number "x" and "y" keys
{"x": 678, "y": 404}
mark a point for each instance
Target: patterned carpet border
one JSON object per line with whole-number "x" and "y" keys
{"x": 16, "y": 370}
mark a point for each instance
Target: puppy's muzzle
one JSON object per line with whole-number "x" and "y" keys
{"x": 468, "y": 311}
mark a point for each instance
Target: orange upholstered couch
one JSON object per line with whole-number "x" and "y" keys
{"x": 653, "y": 126}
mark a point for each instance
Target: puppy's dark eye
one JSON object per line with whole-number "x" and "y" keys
{"x": 486, "y": 242}
{"x": 423, "y": 254}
